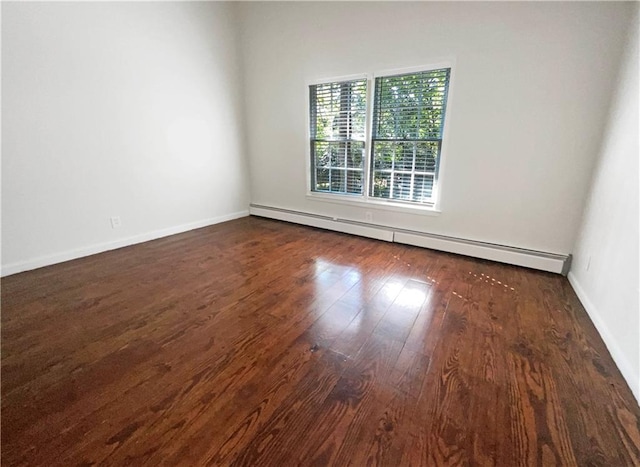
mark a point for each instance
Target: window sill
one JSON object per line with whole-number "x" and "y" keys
{"x": 360, "y": 202}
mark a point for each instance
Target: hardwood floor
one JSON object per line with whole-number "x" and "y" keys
{"x": 256, "y": 342}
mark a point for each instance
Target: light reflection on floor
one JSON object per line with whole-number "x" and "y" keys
{"x": 411, "y": 297}
{"x": 353, "y": 300}
{"x": 393, "y": 287}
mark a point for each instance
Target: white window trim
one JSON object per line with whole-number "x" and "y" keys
{"x": 365, "y": 200}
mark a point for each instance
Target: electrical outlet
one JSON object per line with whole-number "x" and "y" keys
{"x": 368, "y": 216}
{"x": 116, "y": 223}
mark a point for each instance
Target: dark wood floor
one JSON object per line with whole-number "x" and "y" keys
{"x": 256, "y": 342}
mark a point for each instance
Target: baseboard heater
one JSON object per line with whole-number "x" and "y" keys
{"x": 550, "y": 262}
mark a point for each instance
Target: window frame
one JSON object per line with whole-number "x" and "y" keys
{"x": 366, "y": 199}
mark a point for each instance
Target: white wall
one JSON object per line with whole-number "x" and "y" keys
{"x": 116, "y": 109}
{"x": 530, "y": 91}
{"x": 605, "y": 268}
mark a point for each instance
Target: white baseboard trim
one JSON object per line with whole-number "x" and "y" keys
{"x": 629, "y": 374}
{"x": 520, "y": 257}
{"x": 48, "y": 260}
{"x": 323, "y": 222}
{"x": 502, "y": 254}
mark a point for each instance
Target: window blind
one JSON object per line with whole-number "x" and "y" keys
{"x": 337, "y": 129}
{"x": 408, "y": 119}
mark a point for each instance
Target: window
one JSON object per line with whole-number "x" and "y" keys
{"x": 408, "y": 119}
{"x": 404, "y": 150}
{"x": 338, "y": 115}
